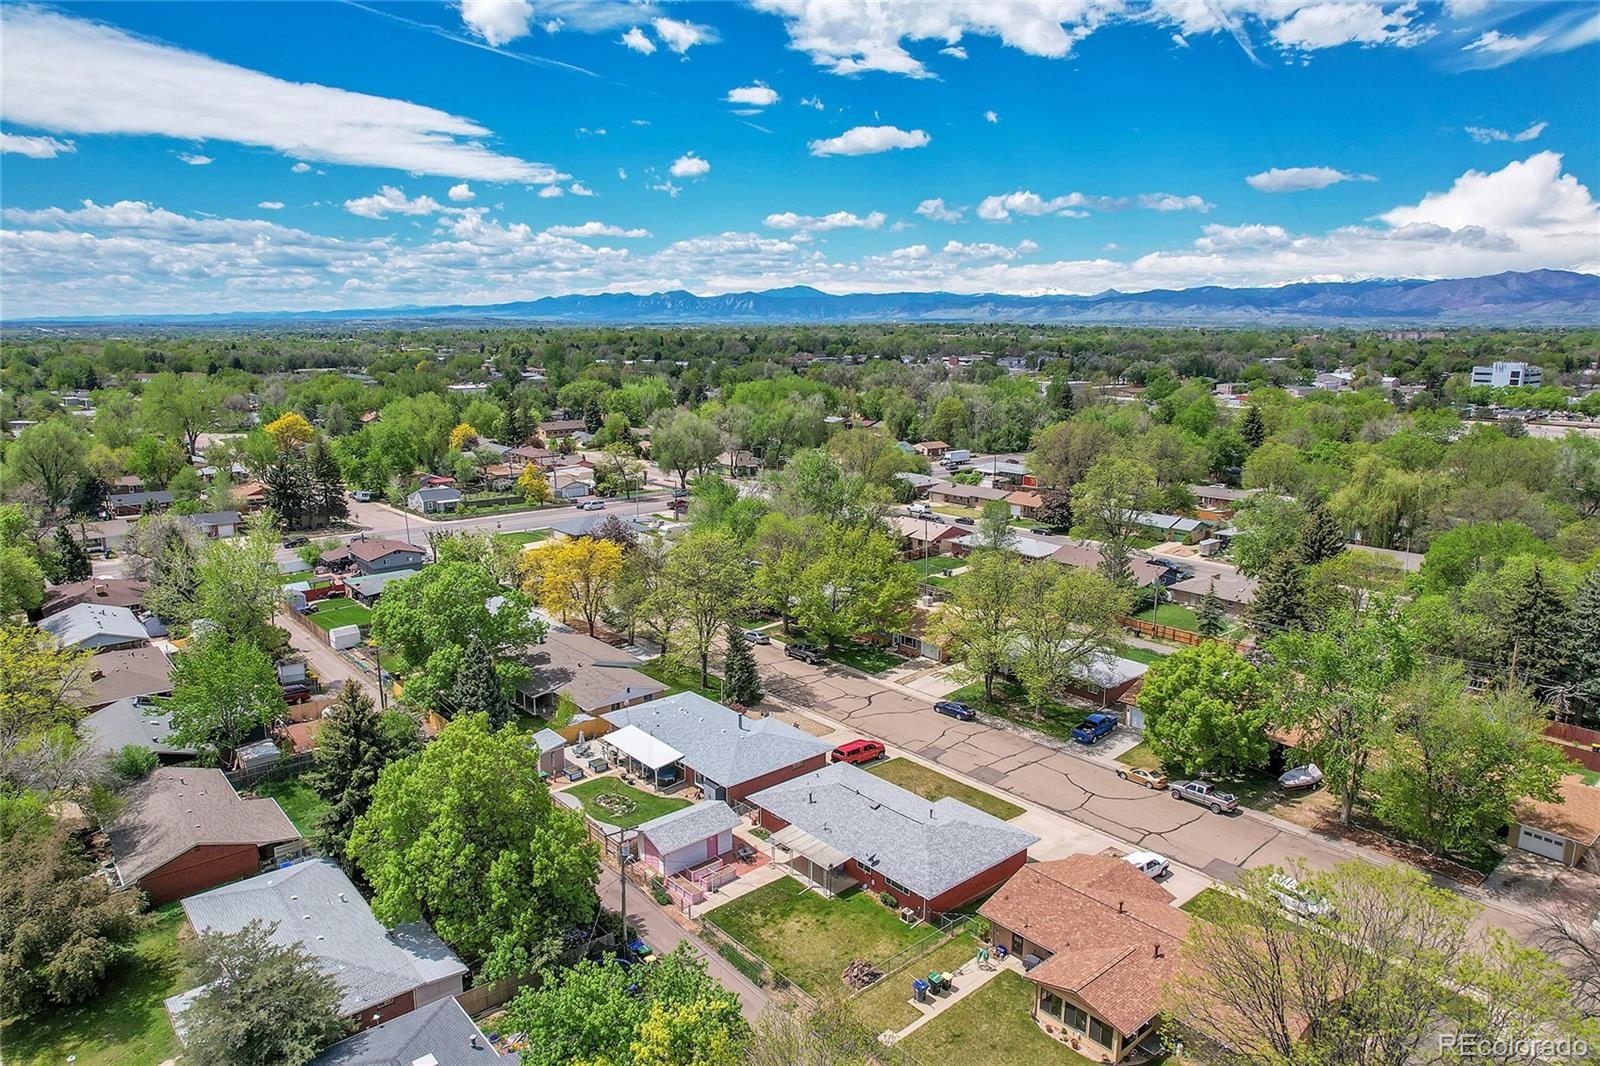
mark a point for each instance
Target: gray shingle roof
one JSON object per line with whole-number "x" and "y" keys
{"x": 719, "y": 743}
{"x": 374, "y": 584}
{"x": 92, "y": 625}
{"x": 139, "y": 499}
{"x": 928, "y": 847}
{"x": 125, "y": 722}
{"x": 435, "y": 495}
{"x": 317, "y": 907}
{"x": 593, "y": 673}
{"x": 440, "y": 1029}
{"x": 688, "y": 825}
{"x": 178, "y": 808}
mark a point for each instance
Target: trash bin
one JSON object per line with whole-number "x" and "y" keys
{"x": 947, "y": 981}
{"x": 933, "y": 980}
{"x": 919, "y": 988}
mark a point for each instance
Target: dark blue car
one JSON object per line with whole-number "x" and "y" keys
{"x": 1094, "y": 727}
{"x": 959, "y": 711}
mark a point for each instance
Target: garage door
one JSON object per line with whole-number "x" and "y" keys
{"x": 1542, "y": 844}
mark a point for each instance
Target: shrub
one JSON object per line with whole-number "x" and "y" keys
{"x": 979, "y": 928}
{"x": 760, "y": 833}
{"x": 888, "y": 900}
{"x": 133, "y": 762}
{"x": 743, "y": 963}
{"x": 658, "y": 891}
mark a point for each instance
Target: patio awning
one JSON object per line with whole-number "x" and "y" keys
{"x": 643, "y": 748}
{"x": 801, "y": 842}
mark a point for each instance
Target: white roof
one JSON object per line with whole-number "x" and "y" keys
{"x": 642, "y": 747}
{"x": 93, "y": 625}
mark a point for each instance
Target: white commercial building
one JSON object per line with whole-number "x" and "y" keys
{"x": 1507, "y": 375}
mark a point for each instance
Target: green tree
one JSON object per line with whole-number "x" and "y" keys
{"x": 1055, "y": 509}
{"x": 1269, "y": 526}
{"x": 1322, "y": 537}
{"x": 1281, "y": 602}
{"x": 1582, "y": 654}
{"x": 476, "y": 689}
{"x": 1206, "y": 711}
{"x": 47, "y": 460}
{"x": 1066, "y": 619}
{"x": 1533, "y": 640}
{"x": 783, "y": 550}
{"x": 977, "y": 624}
{"x": 221, "y": 690}
{"x": 71, "y": 561}
{"x": 21, "y": 583}
{"x": 181, "y": 406}
{"x": 354, "y": 744}
{"x": 238, "y": 586}
{"x": 1252, "y": 429}
{"x": 855, "y": 583}
{"x": 261, "y": 1003}
{"x": 41, "y": 684}
{"x": 1576, "y": 476}
{"x": 463, "y": 835}
{"x": 710, "y": 578}
{"x": 683, "y": 442}
{"x": 1110, "y": 499}
{"x": 741, "y": 680}
{"x": 288, "y": 488}
{"x": 324, "y": 485}
{"x": 1211, "y": 617}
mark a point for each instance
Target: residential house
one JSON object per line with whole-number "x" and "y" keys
{"x": 1218, "y": 503}
{"x": 549, "y": 433}
{"x": 1025, "y": 503}
{"x": 571, "y": 488}
{"x": 1107, "y": 680}
{"x": 727, "y": 755}
{"x": 215, "y": 524}
{"x": 442, "y": 499}
{"x": 382, "y": 973}
{"x": 184, "y": 829}
{"x": 128, "y": 483}
{"x": 1567, "y": 830}
{"x": 1002, "y": 473}
{"x": 366, "y": 588}
{"x": 965, "y": 495}
{"x": 96, "y": 627}
{"x": 931, "y": 450}
{"x": 922, "y": 536}
{"x": 920, "y": 483}
{"x": 840, "y": 826}
{"x": 1147, "y": 569}
{"x": 438, "y": 1034}
{"x": 593, "y": 674}
{"x": 377, "y": 555}
{"x": 129, "y": 504}
{"x": 1100, "y": 941}
{"x": 1173, "y": 526}
{"x": 105, "y": 591}
{"x": 127, "y": 674}
{"x": 1027, "y": 547}
{"x": 740, "y": 463}
{"x": 914, "y": 638}
{"x": 530, "y": 455}
{"x": 136, "y": 722}
{"x": 1236, "y": 591}
{"x": 251, "y": 495}
{"x": 434, "y": 481}
{"x": 104, "y": 536}
{"x": 686, "y": 837}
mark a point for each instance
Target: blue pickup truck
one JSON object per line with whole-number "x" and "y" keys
{"x": 1092, "y": 728}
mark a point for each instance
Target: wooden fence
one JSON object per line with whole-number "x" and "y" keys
{"x": 1157, "y": 631}
{"x": 286, "y": 766}
{"x": 485, "y": 997}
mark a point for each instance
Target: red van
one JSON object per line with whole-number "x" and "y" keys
{"x": 858, "y": 751}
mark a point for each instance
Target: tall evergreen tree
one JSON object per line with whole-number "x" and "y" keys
{"x": 325, "y": 484}
{"x": 353, "y": 746}
{"x": 741, "y": 681}
{"x": 1534, "y": 636}
{"x": 1281, "y": 602}
{"x": 71, "y": 561}
{"x": 286, "y": 489}
{"x": 1252, "y": 430}
{"x": 1322, "y": 537}
{"x": 1210, "y": 615}
{"x": 513, "y": 428}
{"x": 1583, "y": 647}
{"x": 477, "y": 687}
{"x": 1116, "y": 564}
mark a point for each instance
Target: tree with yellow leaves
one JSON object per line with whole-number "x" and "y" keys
{"x": 290, "y": 431}
{"x": 573, "y": 576}
{"x": 534, "y": 486}
{"x": 463, "y": 436}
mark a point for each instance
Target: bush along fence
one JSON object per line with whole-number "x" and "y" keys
{"x": 286, "y": 766}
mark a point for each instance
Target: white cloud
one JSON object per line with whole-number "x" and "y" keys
{"x": 578, "y": 188}
{"x": 68, "y": 75}
{"x": 690, "y": 166}
{"x": 954, "y": 51}
{"x": 682, "y": 36}
{"x": 1565, "y": 27}
{"x": 1486, "y": 135}
{"x": 622, "y": 173}
{"x": 1001, "y": 208}
{"x": 462, "y": 193}
{"x": 271, "y": 205}
{"x": 814, "y": 102}
{"x": 1503, "y": 43}
{"x": 788, "y": 220}
{"x": 300, "y": 168}
{"x": 194, "y": 159}
{"x": 1340, "y": 22}
{"x": 596, "y": 229}
{"x": 635, "y": 38}
{"x": 990, "y": 117}
{"x": 937, "y": 211}
{"x": 1299, "y": 179}
{"x": 667, "y": 187}
{"x": 498, "y": 21}
{"x": 1521, "y": 198}
{"x": 869, "y": 140}
{"x": 34, "y": 147}
{"x": 550, "y": 192}
{"x": 757, "y": 95}
{"x": 390, "y": 200}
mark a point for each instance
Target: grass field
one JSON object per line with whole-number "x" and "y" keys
{"x": 1140, "y": 755}
{"x": 680, "y": 680}
{"x": 1143, "y": 655}
{"x": 932, "y": 785}
{"x": 865, "y": 657}
{"x": 298, "y": 800}
{"x": 1170, "y": 614}
{"x": 531, "y": 536}
{"x": 809, "y": 939}
{"x": 1011, "y": 702}
{"x": 298, "y": 575}
{"x": 645, "y": 805}
{"x": 992, "y": 1025}
{"x": 338, "y": 611}
{"x": 934, "y": 565}
{"x": 886, "y": 1006}
{"x": 1212, "y": 903}
{"x": 125, "y": 1023}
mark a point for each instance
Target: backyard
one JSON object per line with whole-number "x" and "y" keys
{"x": 886, "y": 1006}
{"x": 994, "y": 1024}
{"x": 682, "y": 679}
{"x": 531, "y": 536}
{"x": 298, "y": 800}
{"x": 934, "y": 565}
{"x": 338, "y": 611}
{"x": 810, "y": 939}
{"x": 606, "y": 799}
{"x": 126, "y": 1022}
{"x": 1170, "y": 614}
{"x": 932, "y": 785}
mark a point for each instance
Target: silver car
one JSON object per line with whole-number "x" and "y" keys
{"x": 757, "y": 636}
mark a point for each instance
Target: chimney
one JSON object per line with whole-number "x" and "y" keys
{"x": 99, "y": 589}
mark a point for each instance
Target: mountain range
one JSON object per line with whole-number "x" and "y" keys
{"x": 1533, "y": 298}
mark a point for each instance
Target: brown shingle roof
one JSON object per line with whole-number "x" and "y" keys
{"x": 179, "y": 808}
{"x": 1087, "y": 556}
{"x": 1577, "y": 817}
{"x": 1024, "y": 498}
{"x": 115, "y": 591}
{"x": 593, "y": 673}
{"x": 1115, "y": 935}
{"x": 116, "y": 675}
{"x": 378, "y": 547}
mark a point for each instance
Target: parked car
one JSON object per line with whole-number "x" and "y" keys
{"x": 1149, "y": 863}
{"x": 919, "y": 508}
{"x": 957, "y": 710}
{"x": 1153, "y": 779}
{"x": 360, "y": 495}
{"x": 963, "y": 519}
{"x": 858, "y": 751}
{"x": 296, "y": 692}
{"x": 1297, "y": 899}
{"x": 296, "y": 541}
{"x": 591, "y": 505}
{"x": 806, "y": 653}
{"x": 1206, "y": 794}
{"x": 757, "y": 636}
{"x": 1308, "y": 777}
{"x": 1093, "y": 727}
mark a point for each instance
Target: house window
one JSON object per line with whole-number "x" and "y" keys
{"x": 897, "y": 886}
{"x": 1075, "y": 1017}
{"x": 1101, "y": 1033}
{"x": 1050, "y": 1003}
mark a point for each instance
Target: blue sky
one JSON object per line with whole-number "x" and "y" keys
{"x": 223, "y": 156}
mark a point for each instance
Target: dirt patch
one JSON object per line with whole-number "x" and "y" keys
{"x": 804, "y": 723}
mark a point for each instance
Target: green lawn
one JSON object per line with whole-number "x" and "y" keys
{"x": 644, "y": 805}
{"x": 531, "y": 536}
{"x": 933, "y": 565}
{"x": 1143, "y": 655}
{"x": 886, "y": 1005}
{"x": 1011, "y": 702}
{"x": 994, "y": 1025}
{"x": 125, "y": 1023}
{"x": 1590, "y": 777}
{"x": 1170, "y": 614}
{"x": 1141, "y": 754}
{"x": 1212, "y": 903}
{"x": 339, "y": 611}
{"x": 679, "y": 680}
{"x": 867, "y": 658}
{"x": 298, "y": 575}
{"x": 809, "y": 939}
{"x": 932, "y": 785}
{"x": 298, "y": 800}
